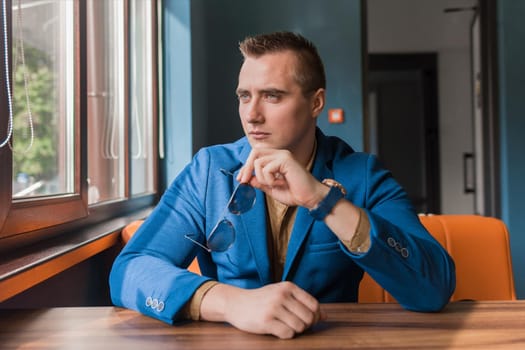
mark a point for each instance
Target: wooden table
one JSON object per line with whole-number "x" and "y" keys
{"x": 463, "y": 325}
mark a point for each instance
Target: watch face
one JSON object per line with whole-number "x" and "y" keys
{"x": 333, "y": 183}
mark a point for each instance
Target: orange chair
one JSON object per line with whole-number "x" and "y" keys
{"x": 480, "y": 249}
{"x": 479, "y": 246}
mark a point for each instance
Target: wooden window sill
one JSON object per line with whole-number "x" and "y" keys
{"x": 28, "y": 266}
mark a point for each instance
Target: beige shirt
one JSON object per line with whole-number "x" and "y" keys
{"x": 280, "y": 220}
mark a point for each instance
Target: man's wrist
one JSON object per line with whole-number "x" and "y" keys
{"x": 320, "y": 193}
{"x": 325, "y": 206}
{"x": 194, "y": 306}
{"x": 360, "y": 241}
{"x": 214, "y": 306}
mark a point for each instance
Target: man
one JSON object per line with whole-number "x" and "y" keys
{"x": 322, "y": 214}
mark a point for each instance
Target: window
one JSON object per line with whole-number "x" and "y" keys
{"x": 43, "y": 80}
{"x": 78, "y": 111}
{"x": 106, "y": 100}
{"x": 142, "y": 59}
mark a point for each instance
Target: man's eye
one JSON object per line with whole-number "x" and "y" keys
{"x": 272, "y": 97}
{"x": 243, "y": 97}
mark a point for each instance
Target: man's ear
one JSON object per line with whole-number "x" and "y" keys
{"x": 318, "y": 101}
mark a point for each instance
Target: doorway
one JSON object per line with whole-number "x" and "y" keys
{"x": 442, "y": 28}
{"x": 403, "y": 123}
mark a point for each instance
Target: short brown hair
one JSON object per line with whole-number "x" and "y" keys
{"x": 309, "y": 74}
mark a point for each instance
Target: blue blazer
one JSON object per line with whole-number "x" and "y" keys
{"x": 150, "y": 274}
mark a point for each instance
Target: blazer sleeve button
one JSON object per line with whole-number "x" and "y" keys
{"x": 160, "y": 307}
{"x": 391, "y": 242}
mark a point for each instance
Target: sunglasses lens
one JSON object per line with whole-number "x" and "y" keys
{"x": 242, "y": 199}
{"x": 222, "y": 237}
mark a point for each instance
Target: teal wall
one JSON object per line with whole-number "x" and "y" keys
{"x": 177, "y": 85}
{"x": 511, "y": 42}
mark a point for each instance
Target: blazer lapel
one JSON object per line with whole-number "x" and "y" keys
{"x": 303, "y": 221}
{"x": 301, "y": 228}
{"x": 254, "y": 229}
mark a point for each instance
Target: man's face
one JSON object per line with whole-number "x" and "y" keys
{"x": 273, "y": 109}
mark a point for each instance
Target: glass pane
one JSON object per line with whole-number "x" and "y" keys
{"x": 43, "y": 97}
{"x": 106, "y": 92}
{"x": 141, "y": 96}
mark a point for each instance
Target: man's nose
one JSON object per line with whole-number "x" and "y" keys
{"x": 253, "y": 112}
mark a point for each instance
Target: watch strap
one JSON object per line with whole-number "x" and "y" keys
{"x": 327, "y": 204}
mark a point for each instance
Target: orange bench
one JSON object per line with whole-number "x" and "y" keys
{"x": 481, "y": 251}
{"x": 479, "y": 246}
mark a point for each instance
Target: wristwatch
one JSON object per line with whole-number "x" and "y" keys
{"x": 337, "y": 191}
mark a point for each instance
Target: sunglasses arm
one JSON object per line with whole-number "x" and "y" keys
{"x": 197, "y": 243}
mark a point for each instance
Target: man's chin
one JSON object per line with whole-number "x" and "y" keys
{"x": 261, "y": 145}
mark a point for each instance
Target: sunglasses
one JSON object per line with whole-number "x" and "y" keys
{"x": 223, "y": 234}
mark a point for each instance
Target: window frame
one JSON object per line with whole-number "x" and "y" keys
{"x": 23, "y": 221}
{"x": 5, "y": 156}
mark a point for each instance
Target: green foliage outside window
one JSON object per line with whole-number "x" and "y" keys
{"x": 40, "y": 160}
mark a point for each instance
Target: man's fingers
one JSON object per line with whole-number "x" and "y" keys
{"x": 298, "y": 316}
{"x": 245, "y": 174}
{"x": 266, "y": 169}
{"x": 299, "y": 310}
{"x": 259, "y": 161}
{"x": 280, "y": 329}
{"x": 306, "y": 299}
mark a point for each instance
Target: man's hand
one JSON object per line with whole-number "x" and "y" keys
{"x": 282, "y": 309}
{"x": 281, "y": 176}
